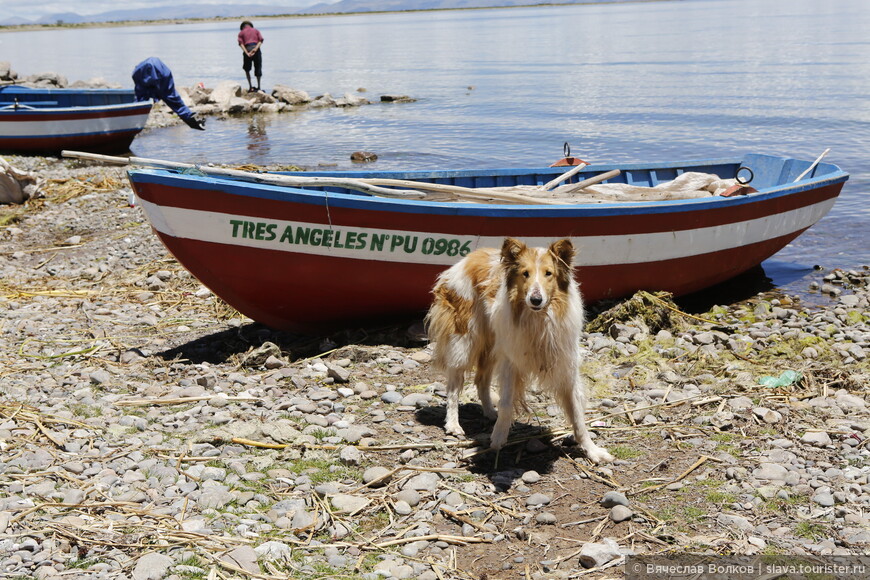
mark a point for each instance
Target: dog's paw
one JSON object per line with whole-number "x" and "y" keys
{"x": 454, "y": 429}
{"x": 597, "y": 454}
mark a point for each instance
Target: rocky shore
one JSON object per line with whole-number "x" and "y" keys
{"x": 225, "y": 99}
{"x": 148, "y": 431}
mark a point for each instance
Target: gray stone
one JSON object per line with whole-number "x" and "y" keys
{"x": 595, "y": 554}
{"x": 303, "y": 520}
{"x": 538, "y": 499}
{"x": 350, "y": 455}
{"x": 767, "y": 415}
{"x": 824, "y": 499}
{"x": 337, "y": 373}
{"x": 770, "y": 472}
{"x": 816, "y": 438}
{"x": 620, "y": 513}
{"x": 273, "y": 550}
{"x": 244, "y": 557}
{"x": 732, "y": 521}
{"x": 152, "y": 567}
{"x": 379, "y": 475}
{"x": 426, "y": 481}
{"x": 613, "y": 498}
{"x": 215, "y": 497}
{"x": 391, "y": 397}
{"x": 349, "y": 503}
{"x": 409, "y": 496}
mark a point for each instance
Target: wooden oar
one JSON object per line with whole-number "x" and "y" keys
{"x": 567, "y": 175}
{"x": 813, "y": 166}
{"x": 378, "y": 187}
{"x": 591, "y": 181}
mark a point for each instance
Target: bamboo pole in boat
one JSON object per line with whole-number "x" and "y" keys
{"x": 813, "y": 166}
{"x": 591, "y": 181}
{"x": 375, "y": 186}
{"x": 568, "y": 174}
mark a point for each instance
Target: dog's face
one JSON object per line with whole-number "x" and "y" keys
{"x": 537, "y": 277}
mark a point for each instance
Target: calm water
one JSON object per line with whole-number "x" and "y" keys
{"x": 498, "y": 88}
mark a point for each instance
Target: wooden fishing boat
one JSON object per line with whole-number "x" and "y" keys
{"x": 320, "y": 253}
{"x": 48, "y": 120}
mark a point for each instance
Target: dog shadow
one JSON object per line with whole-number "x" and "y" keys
{"x": 530, "y": 447}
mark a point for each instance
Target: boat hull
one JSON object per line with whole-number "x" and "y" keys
{"x": 312, "y": 262}
{"x": 107, "y": 121}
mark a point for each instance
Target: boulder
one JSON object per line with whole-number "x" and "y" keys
{"x": 6, "y": 72}
{"x": 324, "y": 100}
{"x": 224, "y": 92}
{"x": 363, "y": 157}
{"x": 351, "y": 100}
{"x": 200, "y": 95}
{"x": 397, "y": 99}
{"x": 16, "y": 186}
{"x": 259, "y": 97}
{"x": 47, "y": 80}
{"x": 238, "y": 106}
{"x": 290, "y": 96}
{"x": 270, "y": 108}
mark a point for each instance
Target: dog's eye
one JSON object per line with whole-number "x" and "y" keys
{"x": 548, "y": 274}
{"x": 525, "y": 273}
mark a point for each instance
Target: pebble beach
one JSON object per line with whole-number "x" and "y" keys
{"x": 150, "y": 431}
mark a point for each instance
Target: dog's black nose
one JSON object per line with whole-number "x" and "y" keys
{"x": 536, "y": 300}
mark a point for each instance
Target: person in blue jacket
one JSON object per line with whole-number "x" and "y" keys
{"x": 152, "y": 79}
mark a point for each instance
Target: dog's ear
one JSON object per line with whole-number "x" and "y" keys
{"x": 564, "y": 251}
{"x": 510, "y": 250}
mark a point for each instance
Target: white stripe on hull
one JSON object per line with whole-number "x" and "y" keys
{"x": 360, "y": 243}
{"x": 72, "y": 126}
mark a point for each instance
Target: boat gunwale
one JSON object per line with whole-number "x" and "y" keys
{"x": 253, "y": 189}
{"x": 6, "y": 110}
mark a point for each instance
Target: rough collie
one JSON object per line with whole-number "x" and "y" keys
{"x": 516, "y": 313}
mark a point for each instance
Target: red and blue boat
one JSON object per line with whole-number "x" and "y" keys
{"x": 37, "y": 120}
{"x": 314, "y": 258}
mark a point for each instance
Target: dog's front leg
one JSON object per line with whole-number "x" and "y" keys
{"x": 507, "y": 378}
{"x": 455, "y": 378}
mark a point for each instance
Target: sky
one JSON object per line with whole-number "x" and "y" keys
{"x": 35, "y": 9}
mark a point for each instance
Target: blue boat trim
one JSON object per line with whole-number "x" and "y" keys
{"x": 829, "y": 174}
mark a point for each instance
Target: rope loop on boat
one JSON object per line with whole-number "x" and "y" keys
{"x": 742, "y": 181}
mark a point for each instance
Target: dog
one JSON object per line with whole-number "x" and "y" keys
{"x": 516, "y": 312}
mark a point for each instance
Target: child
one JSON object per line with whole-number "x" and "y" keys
{"x": 250, "y": 41}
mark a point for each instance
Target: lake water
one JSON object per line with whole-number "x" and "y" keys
{"x": 648, "y": 81}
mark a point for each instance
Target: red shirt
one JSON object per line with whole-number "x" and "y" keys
{"x": 249, "y": 35}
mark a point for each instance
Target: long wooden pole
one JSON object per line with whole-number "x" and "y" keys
{"x": 375, "y": 186}
{"x": 591, "y": 181}
{"x": 568, "y": 174}
{"x": 813, "y": 166}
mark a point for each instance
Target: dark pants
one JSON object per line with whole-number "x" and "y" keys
{"x": 256, "y": 61}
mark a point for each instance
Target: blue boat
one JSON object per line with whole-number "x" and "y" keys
{"x": 35, "y": 120}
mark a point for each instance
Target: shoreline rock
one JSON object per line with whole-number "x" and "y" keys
{"x": 225, "y": 99}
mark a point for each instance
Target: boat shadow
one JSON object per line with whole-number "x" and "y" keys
{"x": 232, "y": 344}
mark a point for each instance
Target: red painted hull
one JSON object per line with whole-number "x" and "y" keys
{"x": 296, "y": 260}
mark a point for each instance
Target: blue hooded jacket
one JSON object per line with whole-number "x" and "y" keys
{"x": 153, "y": 80}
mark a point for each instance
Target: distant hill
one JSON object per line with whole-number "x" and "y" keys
{"x": 344, "y": 6}
{"x": 184, "y": 11}
{"x": 180, "y": 11}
